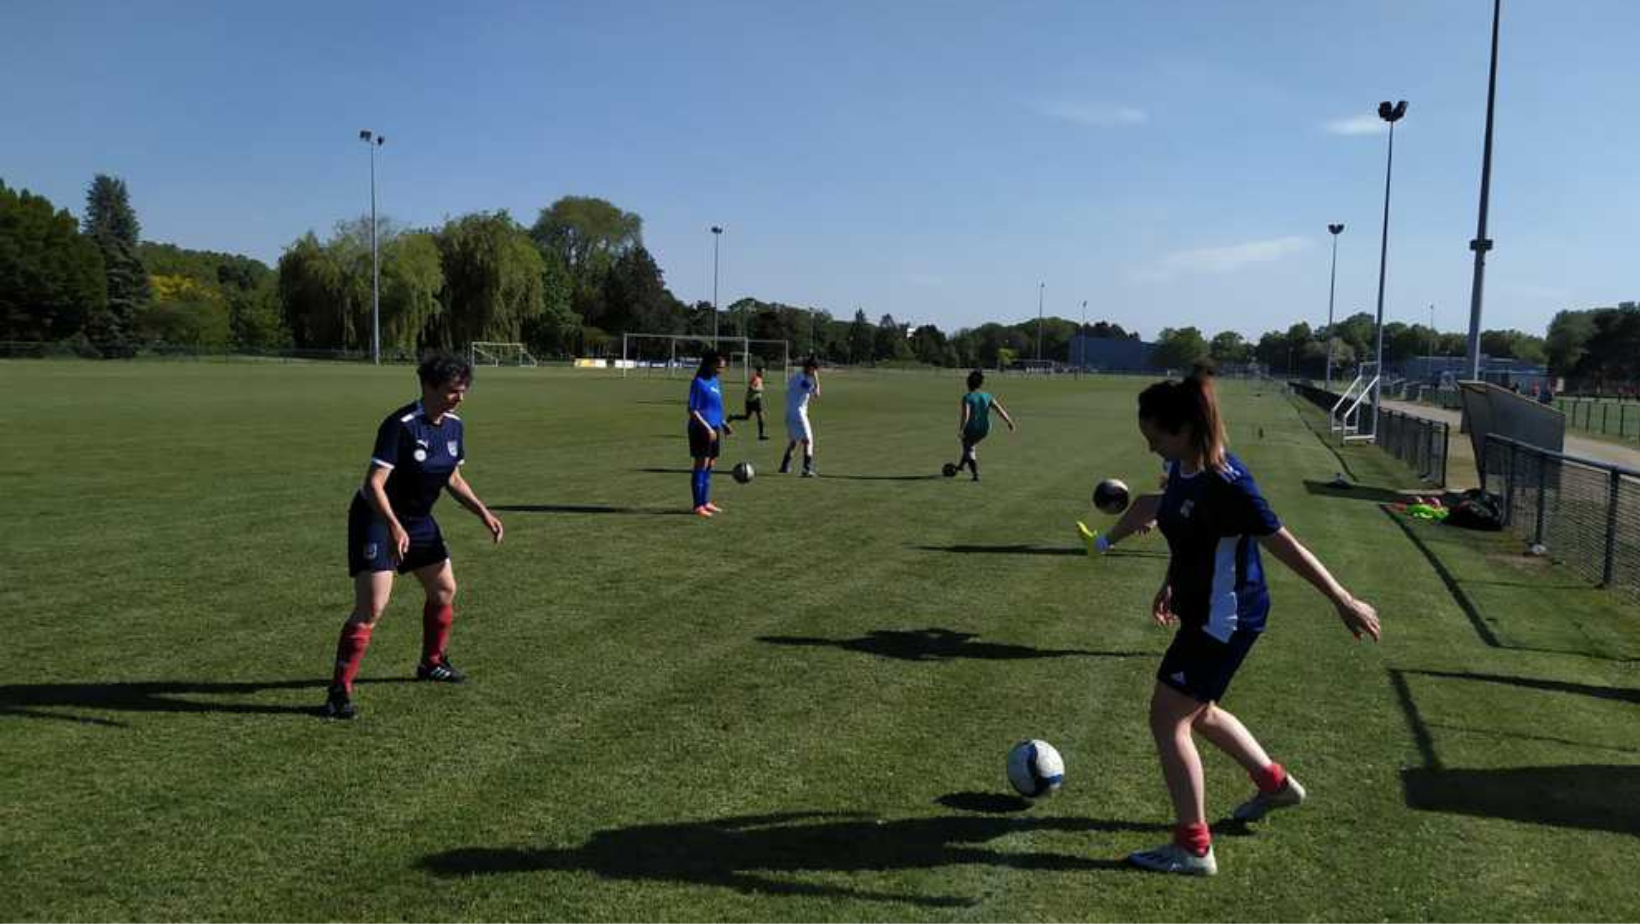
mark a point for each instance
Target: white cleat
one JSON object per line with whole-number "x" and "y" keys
{"x": 1291, "y": 794}
{"x": 1171, "y": 858}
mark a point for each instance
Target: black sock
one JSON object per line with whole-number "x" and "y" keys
{"x": 808, "y": 461}
{"x": 786, "y": 460}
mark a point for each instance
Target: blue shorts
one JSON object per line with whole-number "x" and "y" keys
{"x": 1200, "y": 666}
{"x": 370, "y": 543}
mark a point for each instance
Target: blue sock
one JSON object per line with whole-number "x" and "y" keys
{"x": 706, "y": 486}
{"x": 695, "y": 485}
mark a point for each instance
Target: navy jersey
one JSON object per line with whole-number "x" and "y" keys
{"x": 420, "y": 456}
{"x": 706, "y": 397}
{"x": 1211, "y": 520}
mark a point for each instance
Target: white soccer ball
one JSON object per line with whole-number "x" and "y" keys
{"x": 743, "y": 472}
{"x": 1035, "y": 769}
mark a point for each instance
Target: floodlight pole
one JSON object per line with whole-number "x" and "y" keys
{"x": 1040, "y": 288}
{"x": 1332, "y": 290}
{"x": 1481, "y": 244}
{"x": 1390, "y": 113}
{"x": 1082, "y": 338}
{"x": 374, "y": 141}
{"x": 717, "y": 233}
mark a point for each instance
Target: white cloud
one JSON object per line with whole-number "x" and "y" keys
{"x": 1225, "y": 259}
{"x": 1368, "y": 124}
{"x": 1097, "y": 115}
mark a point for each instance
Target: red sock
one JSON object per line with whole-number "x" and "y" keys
{"x": 435, "y": 631}
{"x": 1194, "y": 837}
{"x": 350, "y": 654}
{"x": 1271, "y": 778}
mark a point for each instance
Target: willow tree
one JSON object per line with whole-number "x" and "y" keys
{"x": 492, "y": 280}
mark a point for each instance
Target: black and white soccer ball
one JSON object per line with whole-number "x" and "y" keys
{"x": 1110, "y": 496}
{"x": 743, "y": 472}
{"x": 948, "y": 470}
{"x": 1035, "y": 769}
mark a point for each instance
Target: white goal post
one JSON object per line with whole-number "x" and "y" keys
{"x": 486, "y": 353}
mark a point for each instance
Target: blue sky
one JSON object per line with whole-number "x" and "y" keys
{"x": 1173, "y": 164}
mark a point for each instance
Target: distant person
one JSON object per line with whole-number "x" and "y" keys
{"x": 975, "y": 423}
{"x": 418, "y": 454}
{"x": 1214, "y": 519}
{"x": 754, "y": 402}
{"x": 802, "y": 387}
{"x": 707, "y": 427}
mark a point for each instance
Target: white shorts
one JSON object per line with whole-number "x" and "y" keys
{"x": 798, "y": 428}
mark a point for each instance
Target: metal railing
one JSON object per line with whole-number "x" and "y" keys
{"x": 1583, "y": 513}
{"x": 1422, "y": 444}
{"x": 1613, "y": 417}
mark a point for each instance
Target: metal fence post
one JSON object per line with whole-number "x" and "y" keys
{"x": 1509, "y": 490}
{"x": 1605, "y": 415}
{"x": 1542, "y": 492}
{"x": 1606, "y": 572}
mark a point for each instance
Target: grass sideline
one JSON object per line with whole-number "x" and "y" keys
{"x": 798, "y": 711}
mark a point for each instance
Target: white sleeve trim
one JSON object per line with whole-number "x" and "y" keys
{"x": 380, "y": 464}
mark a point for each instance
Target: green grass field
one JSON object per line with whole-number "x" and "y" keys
{"x": 797, "y": 711}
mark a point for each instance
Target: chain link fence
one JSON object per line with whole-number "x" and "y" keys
{"x": 1422, "y": 444}
{"x": 1614, "y": 417}
{"x": 1583, "y": 513}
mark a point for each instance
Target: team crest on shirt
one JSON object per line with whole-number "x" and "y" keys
{"x": 1186, "y": 507}
{"x": 453, "y": 446}
{"x": 421, "y": 455}
{"x": 370, "y": 551}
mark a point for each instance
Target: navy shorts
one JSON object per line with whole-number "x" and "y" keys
{"x": 702, "y": 446}
{"x": 1200, "y": 666}
{"x": 370, "y": 543}
{"x": 970, "y": 440}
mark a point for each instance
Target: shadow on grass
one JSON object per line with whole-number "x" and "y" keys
{"x": 938, "y": 645}
{"x": 1599, "y": 797}
{"x": 1477, "y": 619}
{"x": 1359, "y": 492}
{"x": 27, "y": 700}
{"x": 591, "y": 508}
{"x": 935, "y": 476}
{"x": 761, "y": 853}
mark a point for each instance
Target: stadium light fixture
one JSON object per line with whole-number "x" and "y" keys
{"x": 374, "y": 141}
{"x": 1332, "y": 290}
{"x": 1390, "y": 113}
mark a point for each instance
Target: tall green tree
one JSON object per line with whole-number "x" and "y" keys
{"x": 315, "y": 295}
{"x": 112, "y": 224}
{"x": 889, "y": 342}
{"x": 492, "y": 280}
{"x": 861, "y": 339}
{"x": 636, "y": 299}
{"x": 51, "y": 276}
{"x": 1568, "y": 339}
{"x": 1230, "y": 347}
{"x": 1178, "y": 348}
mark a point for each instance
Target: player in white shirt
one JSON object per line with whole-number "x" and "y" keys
{"x": 802, "y": 386}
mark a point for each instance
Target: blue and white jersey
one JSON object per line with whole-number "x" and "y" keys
{"x": 706, "y": 397}
{"x": 799, "y": 389}
{"x": 420, "y": 457}
{"x": 1211, "y": 520}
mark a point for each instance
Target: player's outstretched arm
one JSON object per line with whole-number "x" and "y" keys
{"x": 1358, "y": 616}
{"x": 463, "y": 493}
{"x": 1140, "y": 517}
{"x": 1004, "y": 412}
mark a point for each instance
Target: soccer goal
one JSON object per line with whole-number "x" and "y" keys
{"x": 483, "y": 353}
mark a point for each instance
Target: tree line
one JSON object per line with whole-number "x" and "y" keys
{"x": 571, "y": 283}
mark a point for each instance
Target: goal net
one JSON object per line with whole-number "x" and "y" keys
{"x": 482, "y": 353}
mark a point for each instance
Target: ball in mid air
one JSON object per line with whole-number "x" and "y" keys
{"x": 1110, "y": 496}
{"x": 743, "y": 472}
{"x": 1035, "y": 769}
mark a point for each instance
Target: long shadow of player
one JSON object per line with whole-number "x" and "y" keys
{"x": 934, "y": 644}
{"x": 30, "y": 700}
{"x": 590, "y": 508}
{"x": 1027, "y": 549}
{"x": 760, "y": 853}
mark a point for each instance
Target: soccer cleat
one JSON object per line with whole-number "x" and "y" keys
{"x": 762, "y": 436}
{"x": 703, "y": 513}
{"x": 785, "y": 468}
{"x": 1290, "y": 794}
{"x": 442, "y": 672}
{"x": 339, "y": 705}
{"x": 1089, "y": 538}
{"x": 1171, "y": 858}
{"x": 810, "y": 473}
{"x": 712, "y": 508}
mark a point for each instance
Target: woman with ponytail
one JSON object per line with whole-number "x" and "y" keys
{"x": 1214, "y": 520}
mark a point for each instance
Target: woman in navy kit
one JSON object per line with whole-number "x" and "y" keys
{"x": 707, "y": 427}
{"x": 1214, "y": 520}
{"x": 390, "y": 526}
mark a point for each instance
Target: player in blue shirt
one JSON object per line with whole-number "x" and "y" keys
{"x": 706, "y": 430}
{"x": 1215, "y": 520}
{"x": 419, "y": 450}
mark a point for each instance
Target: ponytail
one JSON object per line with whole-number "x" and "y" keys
{"x": 1193, "y": 403}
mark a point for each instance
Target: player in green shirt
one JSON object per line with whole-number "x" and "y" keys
{"x": 976, "y": 422}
